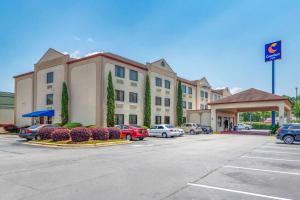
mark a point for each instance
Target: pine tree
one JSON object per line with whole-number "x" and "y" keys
{"x": 110, "y": 102}
{"x": 179, "y": 109}
{"x": 64, "y": 104}
{"x": 147, "y": 104}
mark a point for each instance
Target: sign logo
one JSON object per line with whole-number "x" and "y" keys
{"x": 273, "y": 51}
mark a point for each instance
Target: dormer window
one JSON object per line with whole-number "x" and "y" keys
{"x": 162, "y": 63}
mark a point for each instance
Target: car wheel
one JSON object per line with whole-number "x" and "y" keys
{"x": 141, "y": 138}
{"x": 128, "y": 137}
{"x": 288, "y": 139}
{"x": 192, "y": 132}
{"x": 164, "y": 135}
{"x": 247, "y": 128}
{"x": 28, "y": 139}
{"x": 37, "y": 137}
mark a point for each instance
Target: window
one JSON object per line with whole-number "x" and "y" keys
{"x": 133, "y": 97}
{"x": 206, "y": 95}
{"x": 190, "y": 105}
{"x": 206, "y": 107}
{"x": 158, "y": 120}
{"x": 167, "y": 84}
{"x": 49, "y": 100}
{"x": 167, "y": 119}
{"x": 190, "y": 90}
{"x": 202, "y": 93}
{"x": 119, "y": 119}
{"x": 49, "y": 77}
{"x": 158, "y": 101}
{"x": 119, "y": 71}
{"x": 220, "y": 121}
{"x": 202, "y": 107}
{"x": 133, "y": 75}
{"x": 119, "y": 95}
{"x": 158, "y": 82}
{"x": 167, "y": 102}
{"x": 132, "y": 119}
{"x": 183, "y": 87}
{"x": 184, "y": 104}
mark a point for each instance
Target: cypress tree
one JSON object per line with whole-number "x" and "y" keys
{"x": 147, "y": 104}
{"x": 64, "y": 104}
{"x": 110, "y": 102}
{"x": 179, "y": 108}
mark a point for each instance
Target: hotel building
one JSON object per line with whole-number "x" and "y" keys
{"x": 86, "y": 79}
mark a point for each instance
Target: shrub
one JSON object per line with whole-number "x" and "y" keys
{"x": 45, "y": 133}
{"x": 99, "y": 133}
{"x": 260, "y": 125}
{"x": 71, "y": 125}
{"x": 60, "y": 134}
{"x": 114, "y": 133}
{"x": 11, "y": 128}
{"x": 80, "y": 134}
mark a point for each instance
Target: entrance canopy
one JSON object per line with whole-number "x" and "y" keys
{"x": 40, "y": 113}
{"x": 250, "y": 100}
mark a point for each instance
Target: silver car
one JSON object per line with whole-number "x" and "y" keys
{"x": 165, "y": 130}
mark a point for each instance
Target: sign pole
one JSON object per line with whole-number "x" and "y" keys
{"x": 273, "y": 90}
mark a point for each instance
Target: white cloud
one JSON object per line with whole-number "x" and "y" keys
{"x": 90, "y": 39}
{"x": 75, "y": 54}
{"x": 76, "y": 38}
{"x": 93, "y": 53}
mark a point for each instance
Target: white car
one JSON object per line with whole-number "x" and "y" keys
{"x": 244, "y": 127}
{"x": 165, "y": 130}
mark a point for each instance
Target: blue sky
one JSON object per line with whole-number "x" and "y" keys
{"x": 221, "y": 40}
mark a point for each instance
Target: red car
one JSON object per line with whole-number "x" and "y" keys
{"x": 130, "y": 132}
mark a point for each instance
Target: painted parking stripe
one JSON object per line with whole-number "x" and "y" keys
{"x": 280, "y": 152}
{"x": 263, "y": 170}
{"x": 264, "y": 158}
{"x": 237, "y": 191}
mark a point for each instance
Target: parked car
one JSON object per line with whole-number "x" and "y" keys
{"x": 31, "y": 132}
{"x": 191, "y": 128}
{"x": 130, "y": 132}
{"x": 244, "y": 127}
{"x": 165, "y": 130}
{"x": 205, "y": 129}
{"x": 289, "y": 133}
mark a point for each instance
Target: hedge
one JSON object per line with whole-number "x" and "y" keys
{"x": 260, "y": 125}
{"x": 80, "y": 134}
{"x": 114, "y": 133}
{"x": 60, "y": 134}
{"x": 71, "y": 125}
{"x": 99, "y": 133}
{"x": 45, "y": 133}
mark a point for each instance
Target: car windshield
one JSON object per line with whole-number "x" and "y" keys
{"x": 34, "y": 126}
{"x": 170, "y": 126}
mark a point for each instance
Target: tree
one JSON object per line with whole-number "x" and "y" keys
{"x": 179, "y": 109}
{"x": 64, "y": 104}
{"x": 110, "y": 102}
{"x": 147, "y": 105}
{"x": 296, "y": 109}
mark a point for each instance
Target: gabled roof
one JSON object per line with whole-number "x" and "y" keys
{"x": 50, "y": 54}
{"x": 183, "y": 80}
{"x": 163, "y": 64}
{"x": 24, "y": 74}
{"x": 218, "y": 91}
{"x": 250, "y": 95}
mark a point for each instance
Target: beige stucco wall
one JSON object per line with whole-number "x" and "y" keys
{"x": 7, "y": 116}
{"x": 189, "y": 98}
{"x": 54, "y": 88}
{"x": 200, "y": 118}
{"x": 163, "y": 93}
{"x": 83, "y": 94}
{"x": 23, "y": 100}
{"x": 127, "y": 86}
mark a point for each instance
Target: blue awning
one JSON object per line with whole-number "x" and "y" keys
{"x": 40, "y": 113}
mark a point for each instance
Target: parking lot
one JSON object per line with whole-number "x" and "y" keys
{"x": 190, "y": 167}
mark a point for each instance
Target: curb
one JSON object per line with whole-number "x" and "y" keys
{"x": 47, "y": 144}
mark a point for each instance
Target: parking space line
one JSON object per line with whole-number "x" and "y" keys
{"x": 264, "y": 158}
{"x": 280, "y": 152}
{"x": 263, "y": 170}
{"x": 238, "y": 191}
